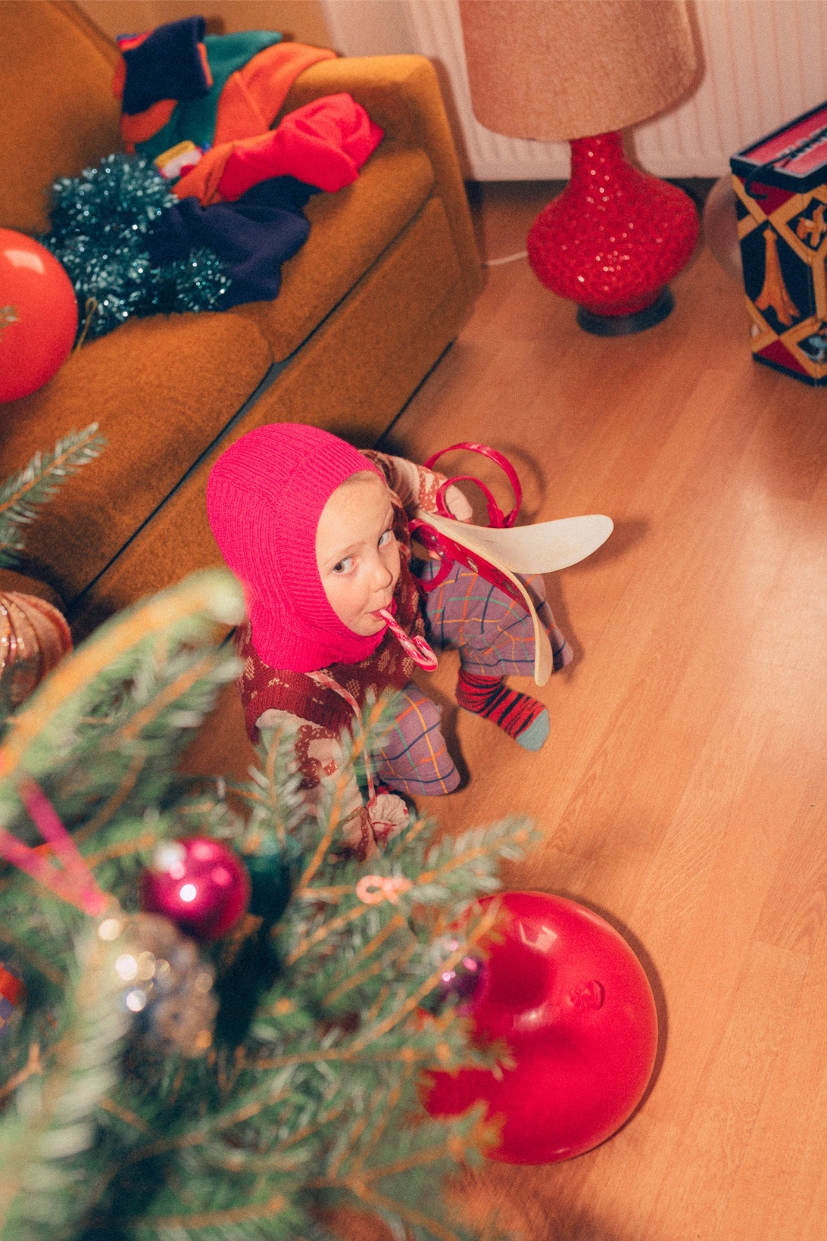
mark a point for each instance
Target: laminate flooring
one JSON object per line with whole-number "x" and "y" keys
{"x": 682, "y": 792}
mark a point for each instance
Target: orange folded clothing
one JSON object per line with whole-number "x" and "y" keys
{"x": 209, "y": 92}
{"x": 324, "y": 144}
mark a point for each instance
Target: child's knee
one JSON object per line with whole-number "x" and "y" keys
{"x": 413, "y": 756}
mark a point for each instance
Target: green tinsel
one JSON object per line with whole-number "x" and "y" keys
{"x": 100, "y": 221}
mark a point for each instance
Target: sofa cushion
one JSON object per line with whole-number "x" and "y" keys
{"x": 349, "y": 230}
{"x": 351, "y": 377}
{"x": 161, "y": 390}
{"x": 59, "y": 114}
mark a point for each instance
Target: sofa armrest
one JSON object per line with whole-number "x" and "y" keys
{"x": 401, "y": 93}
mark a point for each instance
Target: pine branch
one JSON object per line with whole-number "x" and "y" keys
{"x": 54, "y": 1120}
{"x": 114, "y": 802}
{"x": 317, "y": 1099}
{"x": 31, "y": 1067}
{"x": 23, "y": 495}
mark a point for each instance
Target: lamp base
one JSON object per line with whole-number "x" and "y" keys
{"x": 627, "y": 325}
{"x": 613, "y": 239}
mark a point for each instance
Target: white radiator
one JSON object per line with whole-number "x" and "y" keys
{"x": 765, "y": 61}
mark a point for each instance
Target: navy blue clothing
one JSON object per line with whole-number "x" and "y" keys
{"x": 252, "y": 236}
{"x": 167, "y": 65}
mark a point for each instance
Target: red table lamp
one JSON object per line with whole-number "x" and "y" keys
{"x": 583, "y": 70}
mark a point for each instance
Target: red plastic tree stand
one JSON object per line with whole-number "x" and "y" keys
{"x": 613, "y": 239}
{"x": 568, "y": 995}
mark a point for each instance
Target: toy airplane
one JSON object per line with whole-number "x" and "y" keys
{"x": 499, "y": 553}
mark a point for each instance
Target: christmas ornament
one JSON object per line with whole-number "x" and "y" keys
{"x": 12, "y": 991}
{"x": 565, "y": 991}
{"x": 199, "y": 883}
{"x": 463, "y": 980}
{"x": 166, "y": 985}
{"x": 33, "y": 637}
{"x": 100, "y": 224}
{"x": 38, "y": 315}
{"x": 460, "y": 981}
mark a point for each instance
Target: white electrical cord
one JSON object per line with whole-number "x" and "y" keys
{"x": 509, "y": 258}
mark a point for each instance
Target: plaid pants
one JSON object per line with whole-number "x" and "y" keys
{"x": 495, "y": 638}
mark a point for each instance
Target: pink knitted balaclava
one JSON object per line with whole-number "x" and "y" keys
{"x": 264, "y": 498}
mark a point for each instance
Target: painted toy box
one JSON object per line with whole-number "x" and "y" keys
{"x": 781, "y": 199}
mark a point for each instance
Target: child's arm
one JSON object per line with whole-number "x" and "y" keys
{"x": 320, "y": 761}
{"x": 416, "y": 487}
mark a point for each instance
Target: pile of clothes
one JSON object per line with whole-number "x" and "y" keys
{"x": 201, "y": 106}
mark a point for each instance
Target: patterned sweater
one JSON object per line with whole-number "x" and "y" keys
{"x": 317, "y": 715}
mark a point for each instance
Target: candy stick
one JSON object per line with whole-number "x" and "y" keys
{"x": 413, "y": 645}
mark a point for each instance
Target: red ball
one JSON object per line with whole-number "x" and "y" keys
{"x": 571, "y": 999}
{"x": 199, "y": 884}
{"x": 38, "y": 315}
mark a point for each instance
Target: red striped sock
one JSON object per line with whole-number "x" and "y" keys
{"x": 518, "y": 715}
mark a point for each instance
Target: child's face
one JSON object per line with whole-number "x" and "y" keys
{"x": 357, "y": 554}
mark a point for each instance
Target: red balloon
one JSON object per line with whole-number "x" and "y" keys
{"x": 199, "y": 884}
{"x": 38, "y": 315}
{"x": 571, "y": 999}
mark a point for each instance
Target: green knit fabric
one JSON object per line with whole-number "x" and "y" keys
{"x": 195, "y": 118}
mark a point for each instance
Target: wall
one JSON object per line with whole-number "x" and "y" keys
{"x": 764, "y": 62}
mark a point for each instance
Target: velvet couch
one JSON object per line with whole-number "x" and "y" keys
{"x": 366, "y": 308}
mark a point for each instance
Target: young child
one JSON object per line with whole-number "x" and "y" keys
{"x": 317, "y": 532}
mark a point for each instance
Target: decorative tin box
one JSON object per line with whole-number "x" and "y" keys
{"x": 781, "y": 197}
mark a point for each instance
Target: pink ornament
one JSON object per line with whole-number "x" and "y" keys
{"x": 569, "y": 996}
{"x": 38, "y": 315}
{"x": 199, "y": 884}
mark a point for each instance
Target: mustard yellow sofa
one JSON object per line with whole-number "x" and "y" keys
{"x": 366, "y": 308}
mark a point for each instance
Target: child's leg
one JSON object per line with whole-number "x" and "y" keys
{"x": 413, "y": 757}
{"x": 495, "y": 638}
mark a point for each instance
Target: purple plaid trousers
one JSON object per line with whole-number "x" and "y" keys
{"x": 495, "y": 638}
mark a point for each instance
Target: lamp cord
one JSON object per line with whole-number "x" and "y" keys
{"x": 509, "y": 258}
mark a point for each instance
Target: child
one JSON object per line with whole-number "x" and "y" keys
{"x": 317, "y": 532}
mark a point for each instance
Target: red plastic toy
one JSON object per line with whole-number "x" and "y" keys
{"x": 571, "y": 999}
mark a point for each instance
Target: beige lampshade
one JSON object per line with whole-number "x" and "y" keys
{"x": 560, "y": 69}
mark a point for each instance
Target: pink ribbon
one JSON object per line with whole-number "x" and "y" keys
{"x": 75, "y": 882}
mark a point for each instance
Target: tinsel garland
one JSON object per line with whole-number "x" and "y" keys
{"x": 100, "y": 224}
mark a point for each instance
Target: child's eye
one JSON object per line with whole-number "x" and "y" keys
{"x": 344, "y": 566}
{"x": 386, "y": 537}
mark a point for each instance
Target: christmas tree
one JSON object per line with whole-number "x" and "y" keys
{"x": 152, "y": 1086}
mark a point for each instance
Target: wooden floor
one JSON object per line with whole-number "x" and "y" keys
{"x": 683, "y": 790}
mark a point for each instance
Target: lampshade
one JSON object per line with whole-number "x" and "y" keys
{"x": 562, "y": 69}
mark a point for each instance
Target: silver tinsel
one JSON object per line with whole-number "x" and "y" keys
{"x": 100, "y": 221}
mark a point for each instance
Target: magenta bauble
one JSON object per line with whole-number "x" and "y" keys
{"x": 571, "y": 999}
{"x": 38, "y": 315}
{"x": 199, "y": 884}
